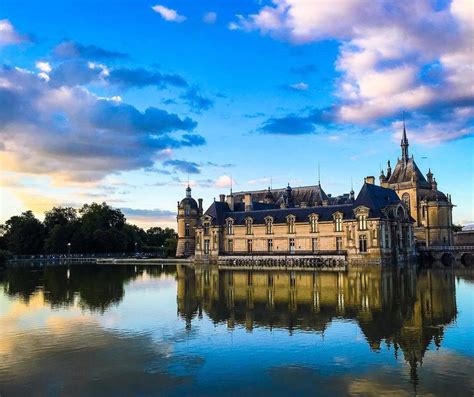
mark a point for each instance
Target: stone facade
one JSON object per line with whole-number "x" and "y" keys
{"x": 374, "y": 227}
{"x": 189, "y": 212}
{"x": 430, "y": 208}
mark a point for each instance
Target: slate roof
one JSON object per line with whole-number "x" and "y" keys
{"x": 371, "y": 196}
{"x": 406, "y": 172}
{"x": 307, "y": 194}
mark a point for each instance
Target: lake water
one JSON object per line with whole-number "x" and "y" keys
{"x": 204, "y": 331}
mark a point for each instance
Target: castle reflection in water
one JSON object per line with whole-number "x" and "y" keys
{"x": 404, "y": 309}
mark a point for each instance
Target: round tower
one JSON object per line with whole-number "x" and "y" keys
{"x": 188, "y": 215}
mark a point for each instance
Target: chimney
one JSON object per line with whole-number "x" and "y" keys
{"x": 248, "y": 202}
{"x": 222, "y": 198}
{"x": 230, "y": 201}
{"x": 370, "y": 180}
{"x": 200, "y": 206}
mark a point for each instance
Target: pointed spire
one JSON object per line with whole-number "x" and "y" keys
{"x": 231, "y": 184}
{"x": 404, "y": 142}
{"x": 319, "y": 175}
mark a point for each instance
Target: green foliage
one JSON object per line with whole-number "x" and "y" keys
{"x": 94, "y": 228}
{"x": 456, "y": 228}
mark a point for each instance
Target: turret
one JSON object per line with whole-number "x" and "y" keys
{"x": 429, "y": 176}
{"x": 389, "y": 170}
{"x": 188, "y": 215}
{"x": 288, "y": 196}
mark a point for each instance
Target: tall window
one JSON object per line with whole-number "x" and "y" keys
{"x": 270, "y": 245}
{"x": 338, "y": 223}
{"x": 186, "y": 229}
{"x": 230, "y": 227}
{"x": 248, "y": 225}
{"x": 187, "y": 210}
{"x": 206, "y": 228}
{"x": 291, "y": 224}
{"x": 363, "y": 243}
{"x": 269, "y": 225}
{"x": 406, "y": 200}
{"x": 338, "y": 243}
{"x": 362, "y": 220}
{"x": 382, "y": 232}
{"x": 249, "y": 246}
{"x": 313, "y": 224}
{"x": 230, "y": 245}
{"x": 314, "y": 244}
{"x": 292, "y": 245}
{"x": 206, "y": 247}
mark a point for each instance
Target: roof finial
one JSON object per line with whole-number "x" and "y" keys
{"x": 319, "y": 175}
{"x": 404, "y": 142}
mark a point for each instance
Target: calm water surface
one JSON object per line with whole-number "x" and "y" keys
{"x": 178, "y": 331}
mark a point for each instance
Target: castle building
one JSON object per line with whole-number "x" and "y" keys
{"x": 382, "y": 224}
{"x": 189, "y": 212}
{"x": 430, "y": 208}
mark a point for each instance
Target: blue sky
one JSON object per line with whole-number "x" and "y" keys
{"x": 121, "y": 100}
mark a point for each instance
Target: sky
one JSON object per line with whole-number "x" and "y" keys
{"x": 127, "y": 101}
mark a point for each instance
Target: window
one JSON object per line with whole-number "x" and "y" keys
{"x": 206, "y": 229}
{"x": 268, "y": 225}
{"x": 214, "y": 240}
{"x": 338, "y": 223}
{"x": 270, "y": 245}
{"x": 230, "y": 245}
{"x": 406, "y": 201}
{"x": 291, "y": 224}
{"x": 186, "y": 230}
{"x": 362, "y": 220}
{"x": 383, "y": 237}
{"x": 313, "y": 223}
{"x": 363, "y": 243}
{"x": 292, "y": 245}
{"x": 186, "y": 246}
{"x": 314, "y": 244}
{"x": 230, "y": 226}
{"x": 206, "y": 247}
{"x": 187, "y": 210}
{"x": 249, "y": 246}
{"x": 248, "y": 225}
{"x": 338, "y": 243}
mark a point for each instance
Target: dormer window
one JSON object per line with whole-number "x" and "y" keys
{"x": 206, "y": 227}
{"x": 187, "y": 210}
{"x": 290, "y": 221}
{"x": 313, "y": 223}
{"x": 248, "y": 225}
{"x": 230, "y": 226}
{"x": 269, "y": 225}
{"x": 362, "y": 222}
{"x": 338, "y": 222}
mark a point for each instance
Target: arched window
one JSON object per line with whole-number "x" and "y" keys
{"x": 187, "y": 230}
{"x": 290, "y": 221}
{"x": 406, "y": 201}
{"x": 338, "y": 223}
{"x": 362, "y": 243}
{"x": 248, "y": 225}
{"x": 362, "y": 221}
{"x": 313, "y": 223}
{"x": 269, "y": 225}
{"x": 230, "y": 226}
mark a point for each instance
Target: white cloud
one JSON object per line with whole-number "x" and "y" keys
{"x": 43, "y": 66}
{"x": 8, "y": 34}
{"x": 224, "y": 181}
{"x": 393, "y": 56}
{"x": 300, "y": 86}
{"x": 168, "y": 14}
{"x": 209, "y": 17}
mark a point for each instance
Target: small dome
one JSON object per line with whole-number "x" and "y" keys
{"x": 434, "y": 195}
{"x": 188, "y": 201}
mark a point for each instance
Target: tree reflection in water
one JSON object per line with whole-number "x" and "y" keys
{"x": 94, "y": 287}
{"x": 403, "y": 308}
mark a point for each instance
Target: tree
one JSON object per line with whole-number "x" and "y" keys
{"x": 24, "y": 234}
{"x": 59, "y": 216}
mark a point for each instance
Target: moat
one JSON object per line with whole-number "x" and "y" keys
{"x": 87, "y": 330}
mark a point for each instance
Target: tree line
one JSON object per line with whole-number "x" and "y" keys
{"x": 94, "y": 228}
